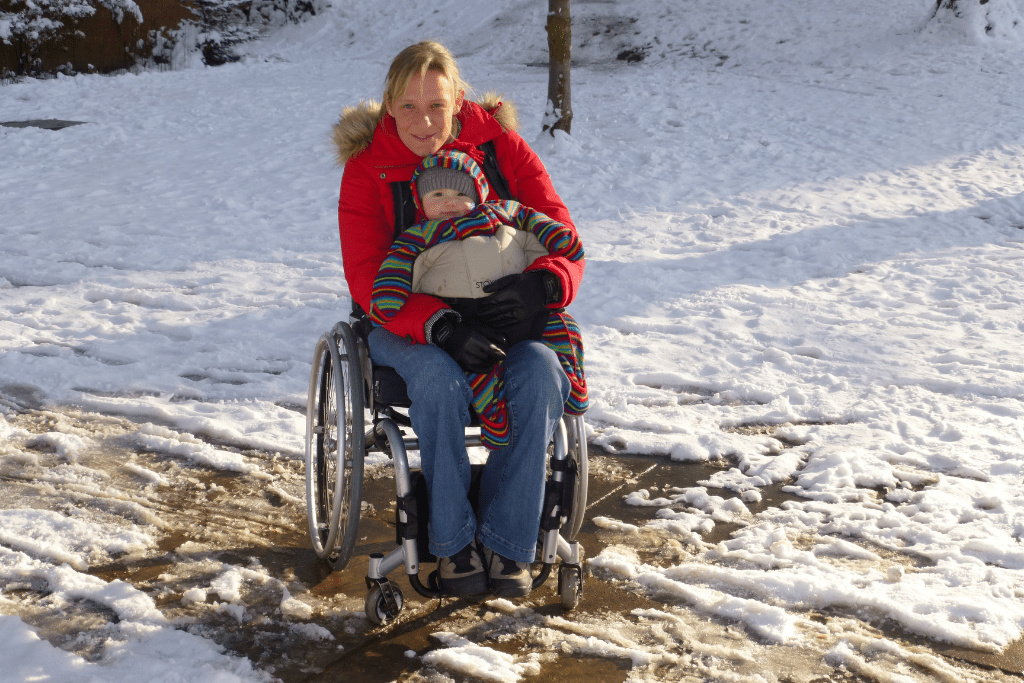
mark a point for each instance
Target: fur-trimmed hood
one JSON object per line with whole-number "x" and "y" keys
{"x": 356, "y": 126}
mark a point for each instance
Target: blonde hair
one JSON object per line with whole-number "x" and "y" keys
{"x": 417, "y": 60}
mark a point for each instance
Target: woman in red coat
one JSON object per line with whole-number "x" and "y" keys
{"x": 425, "y": 110}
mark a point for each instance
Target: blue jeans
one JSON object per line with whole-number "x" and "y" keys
{"x": 512, "y": 487}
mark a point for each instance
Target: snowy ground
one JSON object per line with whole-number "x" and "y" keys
{"x": 804, "y": 227}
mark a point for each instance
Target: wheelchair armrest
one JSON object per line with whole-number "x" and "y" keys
{"x": 360, "y": 322}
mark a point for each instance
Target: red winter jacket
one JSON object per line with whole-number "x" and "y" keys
{"x": 368, "y": 144}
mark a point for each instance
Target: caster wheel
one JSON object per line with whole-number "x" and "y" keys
{"x": 570, "y": 586}
{"x": 378, "y": 610}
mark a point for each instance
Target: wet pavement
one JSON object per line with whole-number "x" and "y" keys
{"x": 209, "y": 521}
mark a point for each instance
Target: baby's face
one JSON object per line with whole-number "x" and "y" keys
{"x": 445, "y": 203}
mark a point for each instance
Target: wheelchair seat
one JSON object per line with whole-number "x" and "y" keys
{"x": 387, "y": 387}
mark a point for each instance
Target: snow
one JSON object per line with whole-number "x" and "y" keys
{"x": 462, "y": 656}
{"x": 797, "y": 216}
{"x": 45, "y": 533}
{"x": 155, "y": 654}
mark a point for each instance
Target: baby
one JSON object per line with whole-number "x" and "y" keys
{"x": 460, "y": 254}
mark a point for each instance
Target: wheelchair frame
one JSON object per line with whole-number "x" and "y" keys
{"x": 343, "y": 385}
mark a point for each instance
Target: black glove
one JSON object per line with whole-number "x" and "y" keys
{"x": 474, "y": 350}
{"x": 518, "y": 297}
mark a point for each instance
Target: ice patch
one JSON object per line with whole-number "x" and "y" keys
{"x": 66, "y": 446}
{"x": 182, "y": 445}
{"x": 465, "y": 657}
{"x": 293, "y": 608}
{"x": 48, "y": 535}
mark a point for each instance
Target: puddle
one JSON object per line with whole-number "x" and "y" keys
{"x": 47, "y": 124}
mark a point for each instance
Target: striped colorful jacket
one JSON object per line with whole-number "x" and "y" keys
{"x": 393, "y": 285}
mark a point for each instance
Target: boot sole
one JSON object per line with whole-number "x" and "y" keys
{"x": 464, "y": 586}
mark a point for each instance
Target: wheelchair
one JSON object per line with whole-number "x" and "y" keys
{"x": 344, "y": 387}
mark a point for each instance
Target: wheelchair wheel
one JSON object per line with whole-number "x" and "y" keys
{"x": 570, "y": 586}
{"x": 577, "y": 446}
{"x": 335, "y": 446}
{"x": 377, "y": 608}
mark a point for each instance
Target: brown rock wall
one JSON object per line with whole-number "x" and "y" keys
{"x": 97, "y": 43}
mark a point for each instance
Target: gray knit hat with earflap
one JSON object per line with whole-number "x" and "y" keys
{"x": 440, "y": 178}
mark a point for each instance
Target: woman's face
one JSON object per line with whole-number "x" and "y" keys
{"x": 424, "y": 113}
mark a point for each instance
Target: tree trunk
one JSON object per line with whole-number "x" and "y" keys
{"x": 558, "y": 114}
